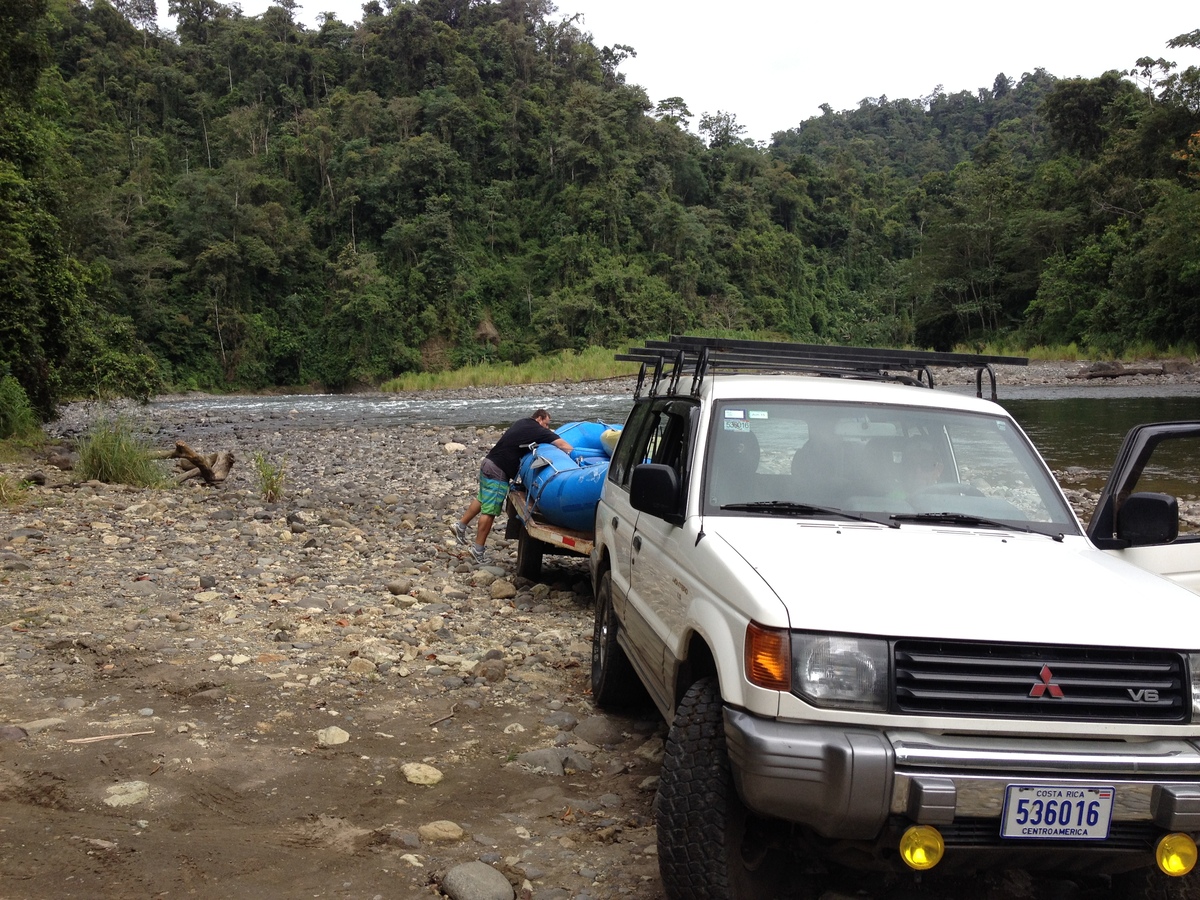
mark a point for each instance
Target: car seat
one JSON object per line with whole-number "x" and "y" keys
{"x": 821, "y": 470}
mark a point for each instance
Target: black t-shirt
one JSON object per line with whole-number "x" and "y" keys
{"x": 513, "y": 443}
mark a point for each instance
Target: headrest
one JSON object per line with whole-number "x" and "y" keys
{"x": 738, "y": 448}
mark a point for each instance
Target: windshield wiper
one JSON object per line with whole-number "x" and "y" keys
{"x": 791, "y": 508}
{"x": 953, "y": 518}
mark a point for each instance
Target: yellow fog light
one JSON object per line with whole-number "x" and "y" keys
{"x": 922, "y": 847}
{"x": 1176, "y": 854}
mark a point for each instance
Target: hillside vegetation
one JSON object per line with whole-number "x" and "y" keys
{"x": 249, "y": 203}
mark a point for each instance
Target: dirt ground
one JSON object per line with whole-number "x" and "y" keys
{"x": 241, "y": 801}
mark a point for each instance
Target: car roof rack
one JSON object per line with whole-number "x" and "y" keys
{"x": 665, "y": 362}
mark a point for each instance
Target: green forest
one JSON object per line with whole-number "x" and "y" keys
{"x": 248, "y": 203}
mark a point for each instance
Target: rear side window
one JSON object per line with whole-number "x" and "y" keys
{"x": 632, "y": 445}
{"x": 658, "y": 431}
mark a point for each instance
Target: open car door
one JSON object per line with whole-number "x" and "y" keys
{"x": 1149, "y": 511}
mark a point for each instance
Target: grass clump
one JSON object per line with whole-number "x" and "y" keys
{"x": 12, "y": 490}
{"x": 17, "y": 418}
{"x": 112, "y": 453}
{"x": 270, "y": 478}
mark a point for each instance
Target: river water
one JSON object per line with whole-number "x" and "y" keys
{"x": 331, "y": 410}
{"x": 1082, "y": 430}
{"x": 1077, "y": 426}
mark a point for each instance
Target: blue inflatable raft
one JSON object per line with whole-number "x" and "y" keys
{"x": 587, "y": 439}
{"x": 564, "y": 489}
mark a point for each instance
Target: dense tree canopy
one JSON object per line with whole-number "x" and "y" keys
{"x": 248, "y": 202}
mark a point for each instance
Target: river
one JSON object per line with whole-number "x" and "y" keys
{"x": 1076, "y": 426}
{"x": 1083, "y": 431}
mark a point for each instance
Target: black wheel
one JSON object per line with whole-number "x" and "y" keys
{"x": 529, "y": 555}
{"x": 1151, "y": 884}
{"x": 710, "y": 847}
{"x": 614, "y": 682}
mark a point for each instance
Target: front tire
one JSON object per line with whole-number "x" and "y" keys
{"x": 614, "y": 681}
{"x": 710, "y": 847}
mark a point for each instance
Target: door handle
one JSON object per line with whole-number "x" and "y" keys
{"x": 637, "y": 544}
{"x": 615, "y": 522}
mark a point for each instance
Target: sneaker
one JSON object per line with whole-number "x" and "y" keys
{"x": 460, "y": 532}
{"x": 480, "y": 554}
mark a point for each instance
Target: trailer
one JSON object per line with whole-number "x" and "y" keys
{"x": 536, "y": 538}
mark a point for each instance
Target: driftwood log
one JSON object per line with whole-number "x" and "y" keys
{"x": 1119, "y": 370}
{"x": 213, "y": 467}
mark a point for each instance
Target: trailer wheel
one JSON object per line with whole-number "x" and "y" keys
{"x": 529, "y": 555}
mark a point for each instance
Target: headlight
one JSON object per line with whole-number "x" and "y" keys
{"x": 831, "y": 670}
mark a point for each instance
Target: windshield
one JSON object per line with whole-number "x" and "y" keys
{"x": 881, "y": 462}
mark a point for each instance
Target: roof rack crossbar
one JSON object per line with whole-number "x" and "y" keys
{"x": 914, "y": 357}
{"x": 700, "y": 355}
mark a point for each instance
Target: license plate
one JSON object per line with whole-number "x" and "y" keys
{"x": 1056, "y": 812}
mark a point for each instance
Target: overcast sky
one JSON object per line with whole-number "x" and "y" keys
{"x": 772, "y": 63}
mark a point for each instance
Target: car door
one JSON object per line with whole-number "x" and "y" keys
{"x": 1156, "y": 462}
{"x": 658, "y": 569}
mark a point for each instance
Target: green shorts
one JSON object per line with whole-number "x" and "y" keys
{"x": 491, "y": 495}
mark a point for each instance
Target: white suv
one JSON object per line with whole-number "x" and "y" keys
{"x": 879, "y": 633}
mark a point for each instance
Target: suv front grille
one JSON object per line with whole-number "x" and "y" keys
{"x": 1029, "y": 681}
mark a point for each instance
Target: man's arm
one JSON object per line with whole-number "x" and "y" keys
{"x": 551, "y": 437}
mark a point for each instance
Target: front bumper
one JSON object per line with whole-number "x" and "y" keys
{"x": 846, "y": 783}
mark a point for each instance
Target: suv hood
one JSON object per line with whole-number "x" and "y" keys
{"x": 959, "y": 583}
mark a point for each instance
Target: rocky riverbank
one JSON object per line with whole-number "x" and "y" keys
{"x": 208, "y": 695}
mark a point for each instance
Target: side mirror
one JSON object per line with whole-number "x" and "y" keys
{"x": 1147, "y": 518}
{"x": 655, "y": 490}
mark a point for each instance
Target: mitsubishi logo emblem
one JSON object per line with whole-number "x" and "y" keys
{"x": 1046, "y": 684}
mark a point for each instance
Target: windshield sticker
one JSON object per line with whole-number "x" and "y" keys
{"x": 758, "y": 414}
{"x": 735, "y": 414}
{"x": 736, "y": 425}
